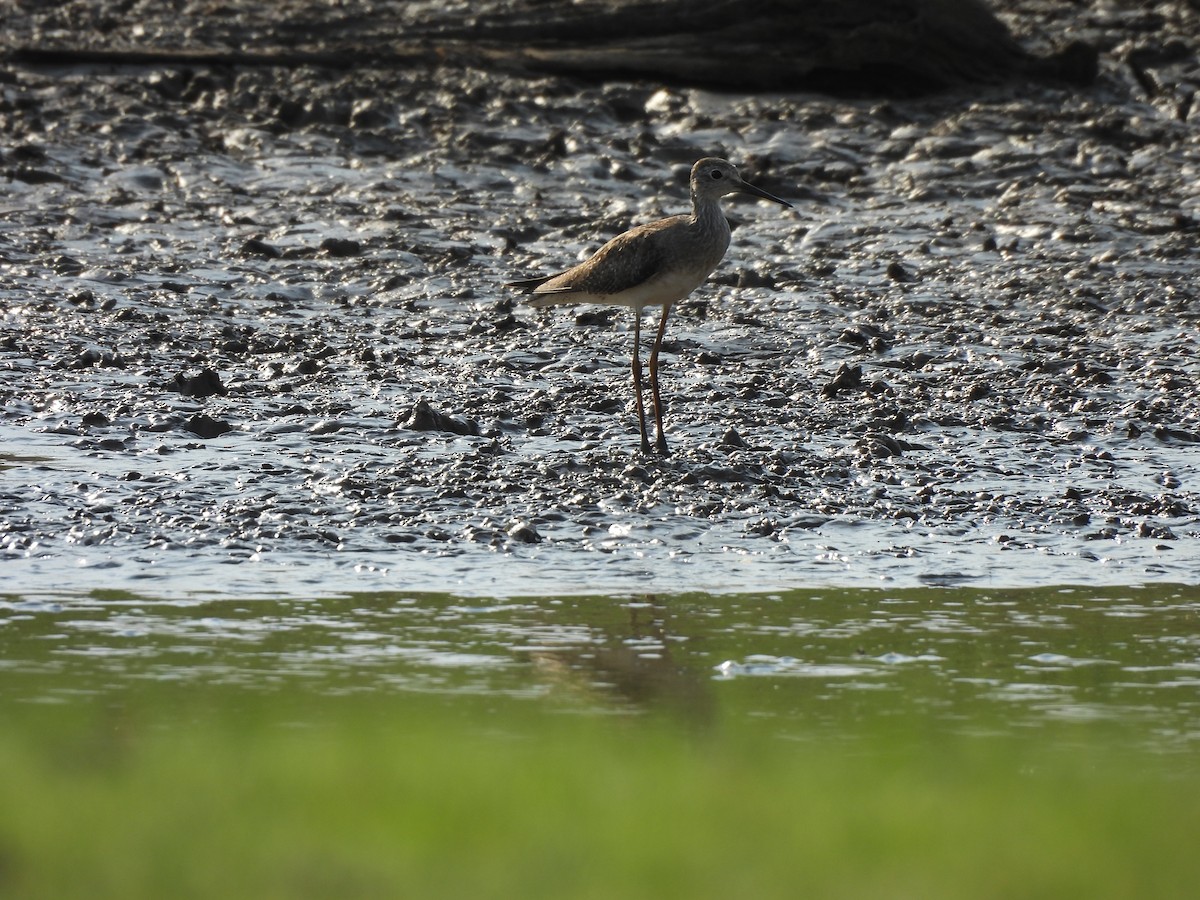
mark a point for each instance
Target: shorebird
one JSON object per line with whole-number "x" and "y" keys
{"x": 656, "y": 264}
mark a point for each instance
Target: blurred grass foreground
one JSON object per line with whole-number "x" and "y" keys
{"x": 544, "y": 783}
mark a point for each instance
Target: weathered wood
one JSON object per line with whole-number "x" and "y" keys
{"x": 121, "y": 56}
{"x": 779, "y": 45}
{"x": 884, "y": 46}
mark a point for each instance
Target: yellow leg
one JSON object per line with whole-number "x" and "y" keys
{"x": 637, "y": 378}
{"x": 661, "y": 444}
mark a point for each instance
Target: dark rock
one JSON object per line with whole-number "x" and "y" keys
{"x": 254, "y": 248}
{"x": 423, "y": 417}
{"x": 600, "y": 316}
{"x": 847, "y": 378}
{"x": 306, "y": 366}
{"x": 506, "y": 324}
{"x": 864, "y": 334}
{"x": 524, "y": 533}
{"x": 732, "y": 439}
{"x": 205, "y": 383}
{"x": 95, "y": 357}
{"x": 880, "y": 446}
{"x": 340, "y": 247}
{"x": 206, "y": 427}
{"x": 36, "y": 176}
{"x": 1166, "y": 433}
{"x": 750, "y": 278}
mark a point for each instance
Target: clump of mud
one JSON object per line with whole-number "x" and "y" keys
{"x": 257, "y": 315}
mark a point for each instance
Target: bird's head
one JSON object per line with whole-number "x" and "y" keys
{"x": 714, "y": 178}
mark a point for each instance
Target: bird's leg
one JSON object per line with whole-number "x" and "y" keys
{"x": 637, "y": 378}
{"x": 661, "y": 444}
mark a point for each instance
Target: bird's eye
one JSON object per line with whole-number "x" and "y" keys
{"x": 716, "y": 174}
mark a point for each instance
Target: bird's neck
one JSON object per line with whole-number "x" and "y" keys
{"x": 707, "y": 214}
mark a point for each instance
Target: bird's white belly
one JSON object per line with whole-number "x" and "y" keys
{"x": 667, "y": 288}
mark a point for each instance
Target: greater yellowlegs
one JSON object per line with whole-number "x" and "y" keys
{"x": 652, "y": 265}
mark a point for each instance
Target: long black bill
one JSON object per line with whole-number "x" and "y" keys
{"x": 766, "y": 195}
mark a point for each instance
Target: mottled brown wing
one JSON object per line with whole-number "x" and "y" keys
{"x": 626, "y": 261}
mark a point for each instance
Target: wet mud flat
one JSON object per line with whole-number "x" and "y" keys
{"x": 254, "y": 335}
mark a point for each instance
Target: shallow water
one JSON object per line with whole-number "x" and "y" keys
{"x": 812, "y": 662}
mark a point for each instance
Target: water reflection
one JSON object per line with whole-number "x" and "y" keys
{"x": 634, "y": 663}
{"x": 947, "y": 659}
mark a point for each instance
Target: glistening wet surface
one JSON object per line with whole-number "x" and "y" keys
{"x": 255, "y": 336}
{"x": 813, "y": 662}
{"x": 265, "y": 514}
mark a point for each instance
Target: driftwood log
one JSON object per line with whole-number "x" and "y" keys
{"x": 778, "y": 45}
{"x": 859, "y": 46}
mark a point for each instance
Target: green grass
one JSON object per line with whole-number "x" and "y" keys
{"x": 184, "y": 792}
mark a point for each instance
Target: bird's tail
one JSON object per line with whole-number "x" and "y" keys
{"x": 529, "y": 285}
{"x": 543, "y": 298}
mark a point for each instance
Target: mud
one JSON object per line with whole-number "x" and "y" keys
{"x": 255, "y": 336}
